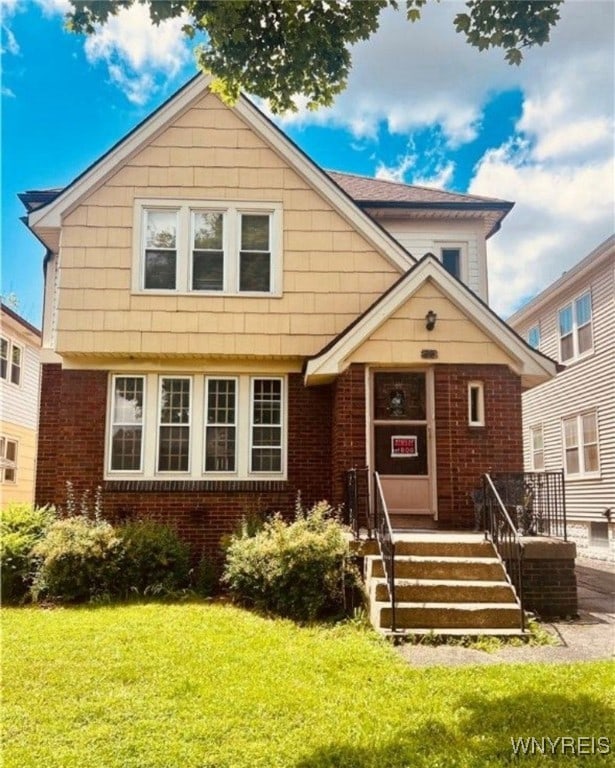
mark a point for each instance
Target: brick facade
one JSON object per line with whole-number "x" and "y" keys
{"x": 72, "y": 445}
{"x": 326, "y": 436}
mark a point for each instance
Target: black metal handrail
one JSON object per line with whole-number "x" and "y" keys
{"x": 386, "y": 544}
{"x": 500, "y": 529}
{"x": 358, "y": 505}
{"x": 536, "y": 501}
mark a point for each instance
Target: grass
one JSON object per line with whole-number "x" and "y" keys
{"x": 200, "y": 685}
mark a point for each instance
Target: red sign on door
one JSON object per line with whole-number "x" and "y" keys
{"x": 404, "y": 446}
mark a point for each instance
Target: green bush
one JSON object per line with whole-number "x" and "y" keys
{"x": 78, "y": 560}
{"x": 21, "y": 526}
{"x": 154, "y": 559}
{"x": 297, "y": 569}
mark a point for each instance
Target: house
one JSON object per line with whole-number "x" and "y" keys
{"x": 19, "y": 387}
{"x": 569, "y": 421}
{"x": 226, "y": 324}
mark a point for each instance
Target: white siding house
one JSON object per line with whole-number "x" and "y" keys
{"x": 569, "y": 422}
{"x": 20, "y": 346}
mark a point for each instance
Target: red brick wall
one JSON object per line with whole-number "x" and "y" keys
{"x": 71, "y": 447}
{"x": 464, "y": 452}
{"x": 348, "y": 442}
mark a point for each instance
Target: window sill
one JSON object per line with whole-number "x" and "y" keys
{"x": 209, "y": 294}
{"x": 579, "y": 478}
{"x": 571, "y": 361}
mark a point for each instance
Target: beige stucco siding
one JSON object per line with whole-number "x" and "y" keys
{"x": 456, "y": 339}
{"x": 330, "y": 272}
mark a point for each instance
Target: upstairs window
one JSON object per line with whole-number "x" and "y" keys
{"x": 533, "y": 336}
{"x": 538, "y": 454}
{"x": 451, "y": 261}
{"x": 575, "y": 328}
{"x": 10, "y": 361}
{"x": 211, "y": 248}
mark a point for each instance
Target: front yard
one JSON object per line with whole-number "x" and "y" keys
{"x": 200, "y": 685}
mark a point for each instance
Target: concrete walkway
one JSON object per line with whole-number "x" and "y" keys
{"x": 590, "y": 637}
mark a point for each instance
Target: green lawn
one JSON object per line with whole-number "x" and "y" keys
{"x": 211, "y": 686}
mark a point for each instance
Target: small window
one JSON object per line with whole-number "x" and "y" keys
{"x": 255, "y": 253}
{"x": 451, "y": 261}
{"x": 538, "y": 456}
{"x": 533, "y": 337}
{"x": 174, "y": 425}
{"x": 581, "y": 454}
{"x": 575, "y": 328}
{"x": 221, "y": 425}
{"x": 476, "y": 404}
{"x": 599, "y": 534}
{"x": 207, "y": 251}
{"x": 11, "y": 356}
{"x": 127, "y": 424}
{"x": 8, "y": 460}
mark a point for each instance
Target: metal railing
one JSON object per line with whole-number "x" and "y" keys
{"x": 384, "y": 536}
{"x": 358, "y": 504}
{"x": 535, "y": 501}
{"x": 502, "y": 532}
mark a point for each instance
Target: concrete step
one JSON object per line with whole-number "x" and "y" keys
{"x": 443, "y": 591}
{"x": 443, "y": 548}
{"x": 445, "y": 616}
{"x": 446, "y": 568}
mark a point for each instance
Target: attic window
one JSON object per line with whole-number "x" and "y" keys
{"x": 208, "y": 248}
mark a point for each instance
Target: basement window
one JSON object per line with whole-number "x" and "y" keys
{"x": 599, "y": 534}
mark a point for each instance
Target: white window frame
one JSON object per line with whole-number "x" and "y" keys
{"x": 10, "y": 346}
{"x": 537, "y": 429}
{"x": 535, "y": 328}
{"x": 443, "y": 245}
{"x": 253, "y": 379}
{"x": 112, "y": 423}
{"x": 477, "y": 387}
{"x": 4, "y": 442}
{"x": 198, "y": 415}
{"x": 580, "y": 446}
{"x": 232, "y": 212}
{"x": 184, "y": 425}
{"x": 572, "y": 304}
{"x": 220, "y": 473}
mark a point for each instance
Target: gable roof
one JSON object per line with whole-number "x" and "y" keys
{"x": 533, "y": 366}
{"x": 46, "y": 209}
{"x": 370, "y": 193}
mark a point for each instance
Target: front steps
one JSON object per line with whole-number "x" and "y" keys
{"x": 445, "y": 584}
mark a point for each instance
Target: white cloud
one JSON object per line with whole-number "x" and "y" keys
{"x": 9, "y": 42}
{"x": 137, "y": 53}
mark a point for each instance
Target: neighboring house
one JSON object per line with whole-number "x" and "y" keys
{"x": 19, "y": 389}
{"x": 227, "y": 324}
{"x": 569, "y": 422}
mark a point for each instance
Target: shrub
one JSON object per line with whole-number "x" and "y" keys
{"x": 294, "y": 569}
{"x": 78, "y": 560}
{"x": 21, "y": 526}
{"x": 154, "y": 559}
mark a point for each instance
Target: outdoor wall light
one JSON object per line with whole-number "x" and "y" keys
{"x": 430, "y": 320}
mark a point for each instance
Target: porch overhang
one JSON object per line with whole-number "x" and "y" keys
{"x": 420, "y": 346}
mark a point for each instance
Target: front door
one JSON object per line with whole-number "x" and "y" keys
{"x": 401, "y": 440}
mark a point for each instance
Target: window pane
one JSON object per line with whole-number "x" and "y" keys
{"x": 160, "y": 270}
{"x": 254, "y": 232}
{"x": 585, "y": 338}
{"x": 267, "y": 401}
{"x": 590, "y": 457}
{"x": 207, "y": 270}
{"x": 221, "y": 401}
{"x": 175, "y": 401}
{"x": 173, "y": 450}
{"x": 128, "y": 400}
{"x": 572, "y": 461}
{"x": 570, "y": 433}
{"x": 565, "y": 320}
{"x": 220, "y": 449}
{"x": 400, "y": 396}
{"x": 255, "y": 272}
{"x": 266, "y": 460}
{"x": 266, "y": 430}
{"x": 4, "y": 356}
{"x": 451, "y": 259}
{"x": 533, "y": 337}
{"x": 583, "y": 309}
{"x": 126, "y": 448}
{"x": 537, "y": 438}
{"x": 590, "y": 432}
{"x": 161, "y": 229}
{"x": 16, "y": 365}
{"x": 11, "y": 450}
{"x": 566, "y": 348}
{"x": 208, "y": 231}
{"x": 539, "y": 461}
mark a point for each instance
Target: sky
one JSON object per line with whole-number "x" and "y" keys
{"x": 421, "y": 107}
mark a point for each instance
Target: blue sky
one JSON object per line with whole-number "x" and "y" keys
{"x": 421, "y": 107}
